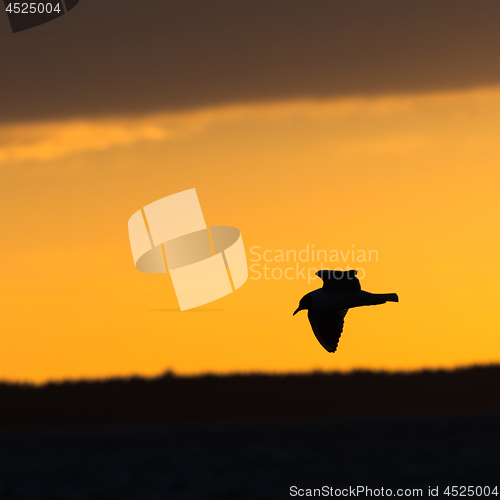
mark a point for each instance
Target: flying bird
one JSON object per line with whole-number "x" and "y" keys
{"x": 328, "y": 305}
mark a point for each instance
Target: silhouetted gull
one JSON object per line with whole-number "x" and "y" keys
{"x": 328, "y": 306}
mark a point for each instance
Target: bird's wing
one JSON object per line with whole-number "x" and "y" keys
{"x": 339, "y": 281}
{"x": 327, "y": 326}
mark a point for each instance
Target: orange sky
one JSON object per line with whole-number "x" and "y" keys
{"x": 414, "y": 177}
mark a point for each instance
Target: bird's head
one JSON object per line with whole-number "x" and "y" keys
{"x": 305, "y": 303}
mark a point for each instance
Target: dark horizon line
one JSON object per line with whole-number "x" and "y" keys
{"x": 251, "y": 374}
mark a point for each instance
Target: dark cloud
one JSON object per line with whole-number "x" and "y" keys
{"x": 132, "y": 56}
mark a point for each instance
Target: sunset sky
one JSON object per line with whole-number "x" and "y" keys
{"x": 365, "y": 125}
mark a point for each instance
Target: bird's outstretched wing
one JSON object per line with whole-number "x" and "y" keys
{"x": 327, "y": 326}
{"x": 339, "y": 281}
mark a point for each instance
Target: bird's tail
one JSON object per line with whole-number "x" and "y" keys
{"x": 388, "y": 297}
{"x": 372, "y": 299}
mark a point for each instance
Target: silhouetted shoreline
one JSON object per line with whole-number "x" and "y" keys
{"x": 250, "y": 398}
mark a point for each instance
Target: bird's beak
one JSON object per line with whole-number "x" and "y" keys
{"x": 297, "y": 310}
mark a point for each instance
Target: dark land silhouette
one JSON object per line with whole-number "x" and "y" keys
{"x": 250, "y": 398}
{"x": 245, "y": 437}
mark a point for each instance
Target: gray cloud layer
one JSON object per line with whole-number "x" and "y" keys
{"x": 134, "y": 56}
